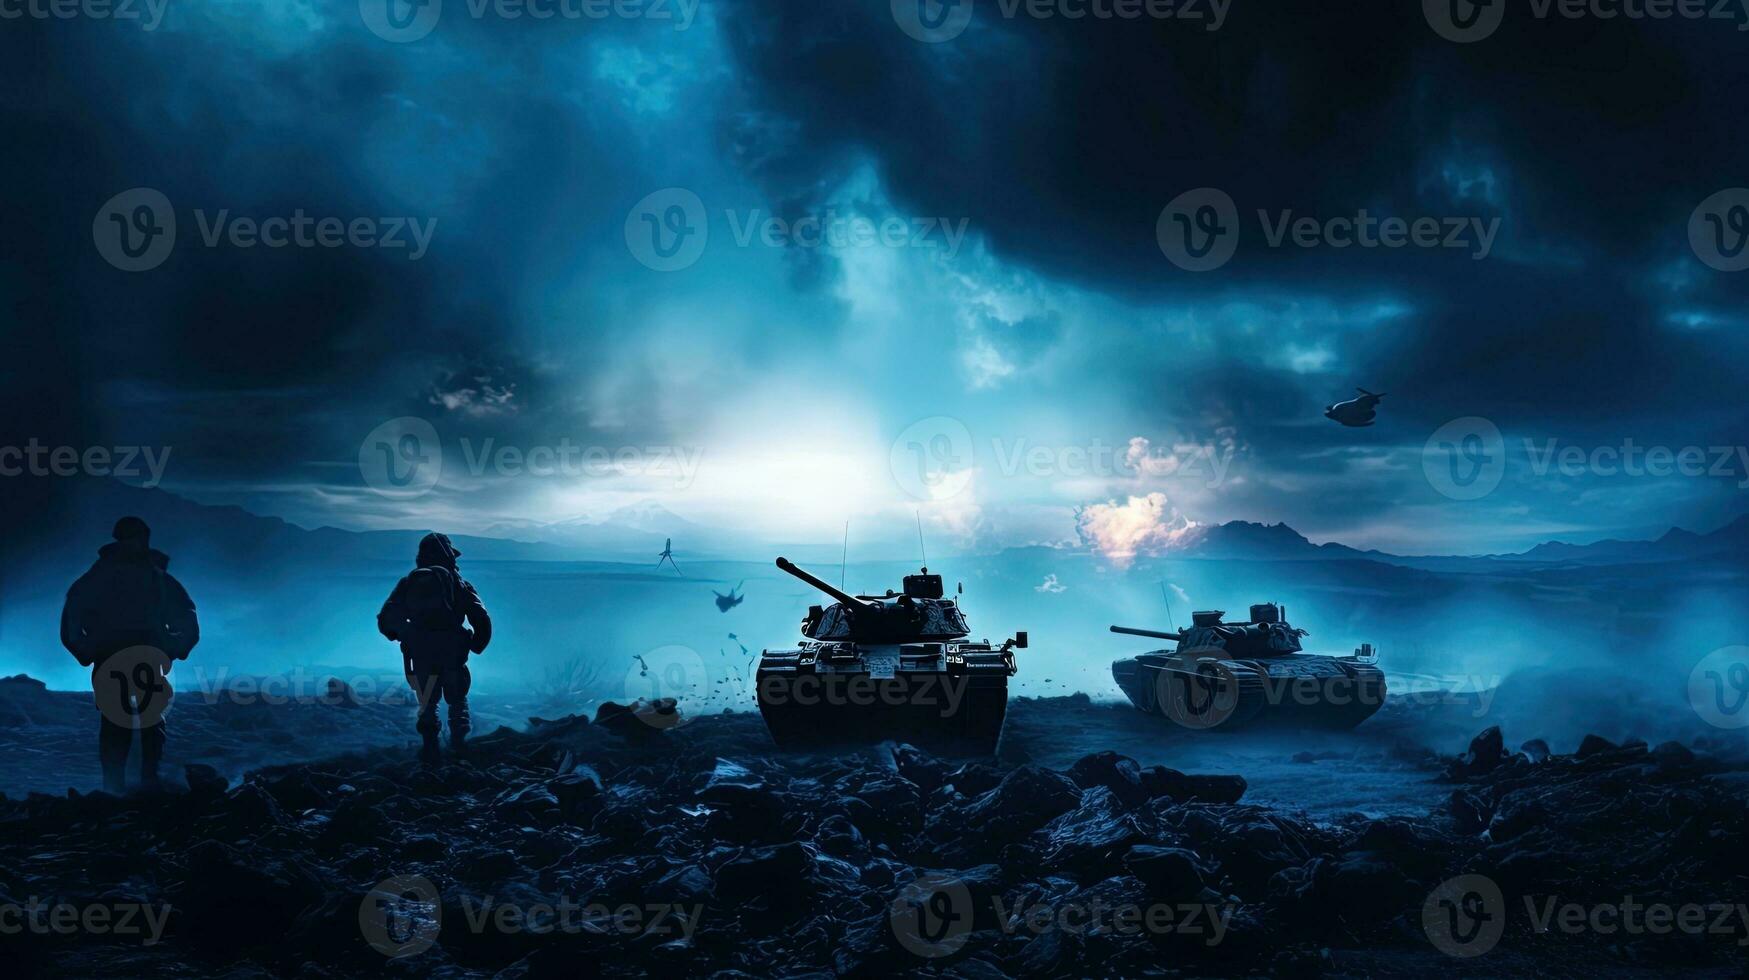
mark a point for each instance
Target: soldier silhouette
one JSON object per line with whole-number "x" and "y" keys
{"x": 437, "y": 617}
{"x": 128, "y": 602}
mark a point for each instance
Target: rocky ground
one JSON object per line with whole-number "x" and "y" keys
{"x": 625, "y": 845}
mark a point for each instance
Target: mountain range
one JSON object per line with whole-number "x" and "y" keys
{"x": 638, "y": 532}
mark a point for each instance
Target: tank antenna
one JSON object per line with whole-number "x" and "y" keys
{"x": 920, "y": 549}
{"x": 844, "y": 556}
{"x": 1168, "y": 602}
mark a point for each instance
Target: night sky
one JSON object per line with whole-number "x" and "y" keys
{"x": 972, "y": 265}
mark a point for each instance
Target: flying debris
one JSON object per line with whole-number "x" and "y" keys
{"x": 667, "y": 555}
{"x": 730, "y": 601}
{"x": 1356, "y": 412}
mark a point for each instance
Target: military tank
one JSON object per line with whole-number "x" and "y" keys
{"x": 895, "y": 666}
{"x": 1223, "y": 676}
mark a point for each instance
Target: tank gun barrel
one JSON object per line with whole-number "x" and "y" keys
{"x": 841, "y": 596}
{"x": 1155, "y": 634}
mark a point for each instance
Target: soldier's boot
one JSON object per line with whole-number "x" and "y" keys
{"x": 459, "y": 724}
{"x": 431, "y": 751}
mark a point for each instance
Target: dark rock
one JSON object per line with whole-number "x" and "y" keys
{"x": 1469, "y": 812}
{"x": 641, "y": 718}
{"x": 533, "y": 803}
{"x": 975, "y": 778}
{"x": 918, "y": 766}
{"x": 1089, "y": 840}
{"x": 339, "y": 694}
{"x": 732, "y": 784}
{"x": 1536, "y": 750}
{"x": 204, "y": 780}
{"x": 1673, "y": 755}
{"x": 1487, "y": 751}
{"x": 1594, "y": 744}
{"x": 1024, "y": 801}
{"x": 757, "y": 871}
{"x": 1119, "y": 774}
{"x": 1172, "y": 874}
{"x": 1161, "y": 781}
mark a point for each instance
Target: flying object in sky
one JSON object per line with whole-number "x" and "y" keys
{"x": 730, "y": 601}
{"x": 667, "y": 555}
{"x": 1355, "y": 412}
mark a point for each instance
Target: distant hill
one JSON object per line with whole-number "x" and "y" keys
{"x": 637, "y": 532}
{"x": 1676, "y": 544}
{"x": 1248, "y": 541}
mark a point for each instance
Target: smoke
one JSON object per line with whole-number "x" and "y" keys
{"x": 1143, "y": 525}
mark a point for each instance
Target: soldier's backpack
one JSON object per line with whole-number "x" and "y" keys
{"x": 433, "y": 599}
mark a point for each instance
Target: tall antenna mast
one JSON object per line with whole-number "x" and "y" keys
{"x": 1168, "y": 601}
{"x": 920, "y": 550}
{"x": 844, "y": 557}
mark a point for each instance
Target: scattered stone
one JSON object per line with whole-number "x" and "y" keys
{"x": 204, "y": 780}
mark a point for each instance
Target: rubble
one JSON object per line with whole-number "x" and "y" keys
{"x": 696, "y": 849}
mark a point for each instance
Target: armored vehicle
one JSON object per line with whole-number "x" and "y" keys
{"x": 1224, "y": 676}
{"x": 896, "y": 666}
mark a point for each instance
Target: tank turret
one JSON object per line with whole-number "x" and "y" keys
{"x": 893, "y": 666}
{"x": 1222, "y": 675}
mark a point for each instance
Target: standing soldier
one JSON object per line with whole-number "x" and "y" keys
{"x": 128, "y": 607}
{"x": 437, "y": 617}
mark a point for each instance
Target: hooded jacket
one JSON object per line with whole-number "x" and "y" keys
{"x": 128, "y": 598}
{"x": 395, "y": 623}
